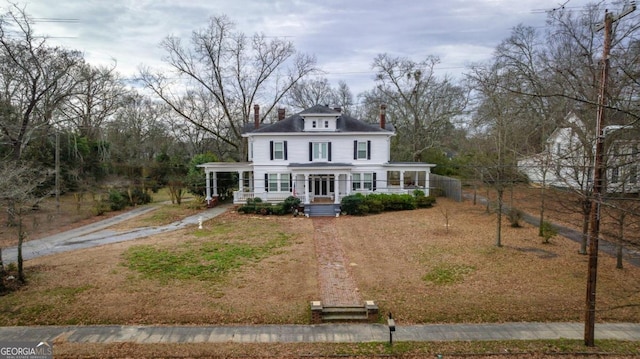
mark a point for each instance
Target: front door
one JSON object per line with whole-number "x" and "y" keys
{"x": 322, "y": 185}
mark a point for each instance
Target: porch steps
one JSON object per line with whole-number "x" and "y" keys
{"x": 322, "y": 210}
{"x": 344, "y": 313}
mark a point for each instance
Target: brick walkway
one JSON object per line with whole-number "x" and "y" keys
{"x": 337, "y": 287}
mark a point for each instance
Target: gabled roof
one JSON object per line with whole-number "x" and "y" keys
{"x": 295, "y": 123}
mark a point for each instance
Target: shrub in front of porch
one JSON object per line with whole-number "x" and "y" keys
{"x": 395, "y": 201}
{"x": 256, "y": 206}
{"x": 353, "y": 204}
{"x": 423, "y": 201}
{"x": 359, "y": 204}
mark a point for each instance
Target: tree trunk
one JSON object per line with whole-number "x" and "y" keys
{"x": 543, "y": 193}
{"x": 619, "y": 248}
{"x": 488, "y": 202}
{"x": 499, "y": 219}
{"x": 542, "y": 198}
{"x": 21, "y": 235}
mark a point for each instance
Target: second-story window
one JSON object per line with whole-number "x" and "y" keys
{"x": 361, "y": 150}
{"x": 278, "y": 150}
{"x": 633, "y": 174}
{"x": 320, "y": 151}
{"x": 615, "y": 175}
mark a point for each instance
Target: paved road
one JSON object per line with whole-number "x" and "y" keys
{"x": 323, "y": 333}
{"x": 97, "y": 234}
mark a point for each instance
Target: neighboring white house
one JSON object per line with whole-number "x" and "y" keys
{"x": 568, "y": 158}
{"x": 318, "y": 155}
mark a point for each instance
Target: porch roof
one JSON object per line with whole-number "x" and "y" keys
{"x": 408, "y": 166}
{"x": 227, "y": 166}
{"x": 321, "y": 165}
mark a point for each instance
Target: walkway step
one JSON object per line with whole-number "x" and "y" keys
{"x": 349, "y": 313}
{"x": 334, "y": 317}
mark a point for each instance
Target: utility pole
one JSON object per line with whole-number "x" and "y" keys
{"x": 598, "y": 179}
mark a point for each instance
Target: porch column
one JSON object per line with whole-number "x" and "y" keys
{"x": 215, "y": 184}
{"x": 336, "y": 188}
{"x": 349, "y": 185}
{"x": 417, "y": 177}
{"x": 401, "y": 180}
{"x": 306, "y": 189}
{"x": 240, "y": 181}
{"x": 426, "y": 183}
{"x": 208, "y": 185}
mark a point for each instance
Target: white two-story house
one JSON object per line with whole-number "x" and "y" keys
{"x": 568, "y": 159}
{"x": 318, "y": 155}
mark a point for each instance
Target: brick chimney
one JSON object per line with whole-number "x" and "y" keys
{"x": 256, "y": 115}
{"x": 383, "y": 115}
{"x": 281, "y": 114}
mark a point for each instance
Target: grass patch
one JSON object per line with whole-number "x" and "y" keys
{"x": 47, "y": 304}
{"x": 198, "y": 260}
{"x": 167, "y": 214}
{"x": 448, "y": 273}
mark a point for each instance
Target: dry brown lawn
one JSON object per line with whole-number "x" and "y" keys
{"x": 396, "y": 259}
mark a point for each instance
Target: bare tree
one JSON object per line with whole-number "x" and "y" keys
{"x": 308, "y": 93}
{"x": 97, "y": 97}
{"x": 496, "y": 109}
{"x": 18, "y": 191}
{"x": 231, "y": 72}
{"x": 138, "y": 131}
{"x": 34, "y": 78}
{"x": 421, "y": 106}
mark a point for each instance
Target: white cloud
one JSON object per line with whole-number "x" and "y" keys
{"x": 344, "y": 35}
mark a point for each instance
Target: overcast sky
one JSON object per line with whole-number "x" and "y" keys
{"x": 344, "y": 35}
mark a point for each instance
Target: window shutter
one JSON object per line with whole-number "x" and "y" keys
{"x": 310, "y": 151}
{"x": 369, "y": 150}
{"x": 329, "y": 149}
{"x": 290, "y": 182}
{"x": 374, "y": 181}
{"x": 271, "y": 150}
{"x": 285, "y": 150}
{"x": 266, "y": 182}
{"x": 355, "y": 149}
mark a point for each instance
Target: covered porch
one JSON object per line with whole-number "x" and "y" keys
{"x": 317, "y": 183}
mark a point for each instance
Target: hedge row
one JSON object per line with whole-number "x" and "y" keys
{"x": 359, "y": 204}
{"x": 256, "y": 206}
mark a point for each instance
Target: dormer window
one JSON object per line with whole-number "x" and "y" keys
{"x": 320, "y": 122}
